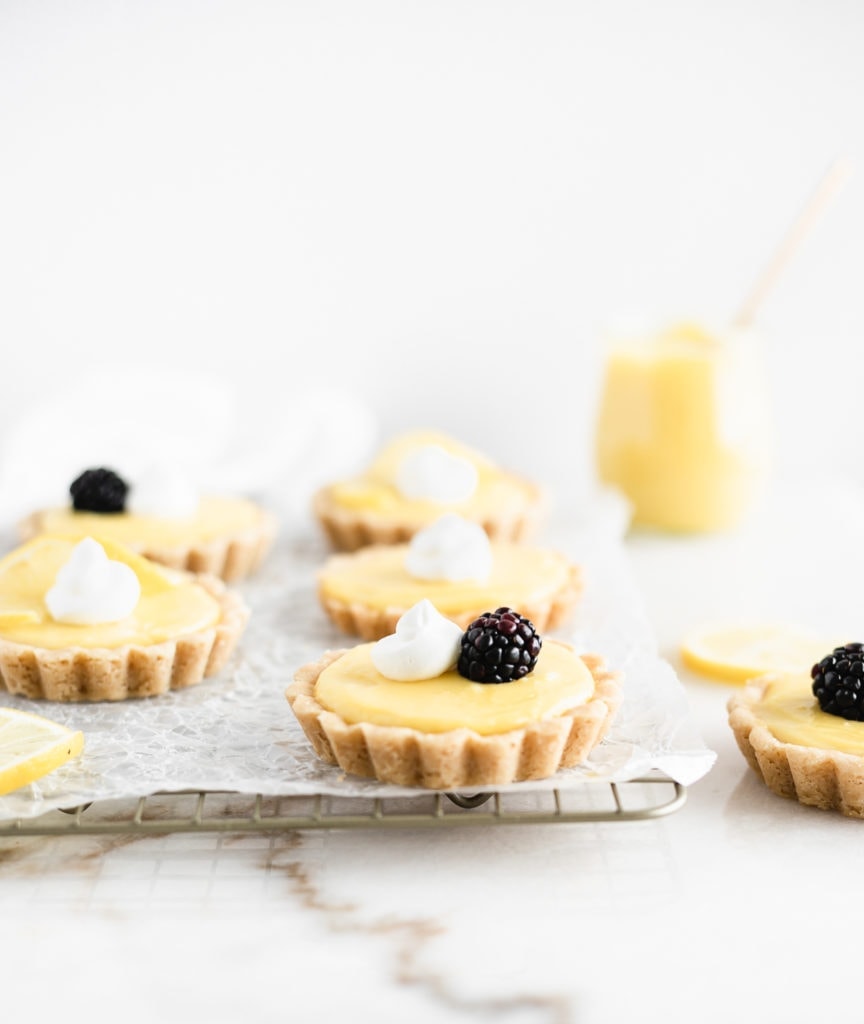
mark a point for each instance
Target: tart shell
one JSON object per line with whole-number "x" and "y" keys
{"x": 462, "y": 757}
{"x": 76, "y": 674}
{"x": 231, "y": 558}
{"x": 361, "y": 620}
{"x": 350, "y": 529}
{"x": 817, "y": 777}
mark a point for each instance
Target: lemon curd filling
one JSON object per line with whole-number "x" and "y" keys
{"x": 216, "y": 517}
{"x": 353, "y": 688}
{"x": 378, "y": 579}
{"x": 170, "y": 604}
{"x": 376, "y": 492}
{"x": 792, "y": 714}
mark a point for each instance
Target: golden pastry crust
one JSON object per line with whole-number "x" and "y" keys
{"x": 74, "y": 674}
{"x": 232, "y": 557}
{"x": 349, "y": 529}
{"x": 828, "y": 779}
{"x": 459, "y": 758}
{"x": 361, "y": 620}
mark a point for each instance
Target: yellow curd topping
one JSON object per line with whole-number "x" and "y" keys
{"x": 792, "y": 714}
{"x": 376, "y": 492}
{"x": 354, "y": 689}
{"x": 216, "y": 517}
{"x": 378, "y": 579}
{"x": 681, "y": 427}
{"x": 170, "y": 604}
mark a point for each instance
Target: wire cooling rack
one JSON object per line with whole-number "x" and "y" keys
{"x": 217, "y": 811}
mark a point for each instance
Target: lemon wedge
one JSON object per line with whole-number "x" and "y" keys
{"x": 31, "y": 747}
{"x": 18, "y": 618}
{"x": 734, "y": 654}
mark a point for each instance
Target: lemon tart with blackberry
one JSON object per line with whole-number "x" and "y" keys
{"x": 433, "y": 707}
{"x": 804, "y": 735}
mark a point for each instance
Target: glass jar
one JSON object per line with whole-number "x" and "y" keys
{"x": 683, "y": 425}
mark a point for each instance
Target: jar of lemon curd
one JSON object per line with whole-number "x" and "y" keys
{"x": 683, "y": 425}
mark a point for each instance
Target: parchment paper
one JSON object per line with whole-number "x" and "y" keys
{"x": 236, "y": 732}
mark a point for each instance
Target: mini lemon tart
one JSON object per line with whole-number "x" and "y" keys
{"x": 365, "y": 592}
{"x": 799, "y": 750}
{"x": 220, "y": 536}
{"x": 440, "y": 730}
{"x": 88, "y": 620}
{"x": 416, "y": 479}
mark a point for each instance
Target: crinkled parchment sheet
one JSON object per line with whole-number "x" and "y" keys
{"x": 236, "y": 732}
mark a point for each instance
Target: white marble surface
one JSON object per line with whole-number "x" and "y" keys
{"x": 740, "y": 902}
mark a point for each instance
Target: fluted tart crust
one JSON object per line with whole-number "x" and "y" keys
{"x": 349, "y": 529}
{"x": 77, "y": 674}
{"x": 824, "y": 778}
{"x": 359, "y": 619}
{"x": 231, "y": 557}
{"x": 459, "y": 758}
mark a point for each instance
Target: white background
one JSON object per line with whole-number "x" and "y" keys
{"x": 440, "y": 204}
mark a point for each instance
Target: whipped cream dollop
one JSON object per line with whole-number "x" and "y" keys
{"x": 451, "y": 549}
{"x": 92, "y": 589}
{"x": 424, "y": 646}
{"x": 163, "y": 491}
{"x": 431, "y": 473}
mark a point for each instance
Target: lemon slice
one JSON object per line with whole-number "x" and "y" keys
{"x": 735, "y": 654}
{"x": 18, "y": 618}
{"x": 31, "y": 747}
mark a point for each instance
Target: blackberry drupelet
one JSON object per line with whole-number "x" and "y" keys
{"x": 499, "y": 647}
{"x": 838, "y": 682}
{"x": 99, "y": 490}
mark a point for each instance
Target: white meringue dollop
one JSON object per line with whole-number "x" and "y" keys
{"x": 431, "y": 473}
{"x": 92, "y": 589}
{"x": 424, "y": 646}
{"x": 163, "y": 491}
{"x": 451, "y": 549}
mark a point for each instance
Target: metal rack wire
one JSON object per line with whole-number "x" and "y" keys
{"x": 641, "y": 799}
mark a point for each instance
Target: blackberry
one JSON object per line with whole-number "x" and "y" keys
{"x": 499, "y": 647}
{"x": 99, "y": 490}
{"x": 838, "y": 682}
